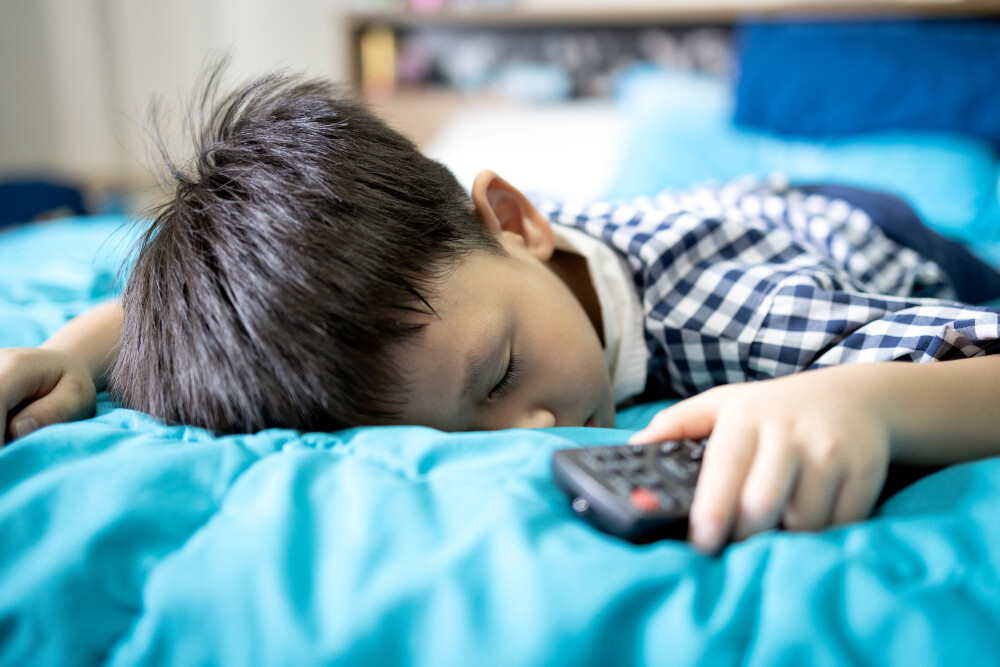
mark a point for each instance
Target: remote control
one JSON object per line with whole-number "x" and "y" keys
{"x": 641, "y": 493}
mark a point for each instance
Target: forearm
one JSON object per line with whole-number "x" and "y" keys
{"x": 941, "y": 412}
{"x": 93, "y": 337}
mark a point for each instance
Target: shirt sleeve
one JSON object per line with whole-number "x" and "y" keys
{"x": 808, "y": 327}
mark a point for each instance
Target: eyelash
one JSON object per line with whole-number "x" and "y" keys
{"x": 509, "y": 378}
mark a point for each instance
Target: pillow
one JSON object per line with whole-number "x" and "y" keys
{"x": 679, "y": 133}
{"x": 836, "y": 78}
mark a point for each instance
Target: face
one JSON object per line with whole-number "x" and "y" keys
{"x": 512, "y": 348}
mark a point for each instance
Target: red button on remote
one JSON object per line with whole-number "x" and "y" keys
{"x": 644, "y": 500}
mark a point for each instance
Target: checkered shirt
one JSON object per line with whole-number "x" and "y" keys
{"x": 752, "y": 280}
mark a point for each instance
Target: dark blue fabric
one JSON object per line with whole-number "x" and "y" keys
{"x": 24, "y": 200}
{"x": 973, "y": 280}
{"x": 838, "y": 78}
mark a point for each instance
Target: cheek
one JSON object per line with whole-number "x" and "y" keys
{"x": 579, "y": 357}
{"x": 566, "y": 347}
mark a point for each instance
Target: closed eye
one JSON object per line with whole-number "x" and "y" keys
{"x": 509, "y": 378}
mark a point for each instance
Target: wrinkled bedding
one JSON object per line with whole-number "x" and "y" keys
{"x": 125, "y": 541}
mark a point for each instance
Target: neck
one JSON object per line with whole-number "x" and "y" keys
{"x": 572, "y": 270}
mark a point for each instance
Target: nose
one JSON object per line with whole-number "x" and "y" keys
{"x": 537, "y": 418}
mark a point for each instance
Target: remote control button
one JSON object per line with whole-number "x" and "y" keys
{"x": 634, "y": 466}
{"x": 644, "y": 500}
{"x": 580, "y": 505}
{"x": 613, "y": 467}
{"x": 620, "y": 485}
{"x": 669, "y": 447}
{"x": 597, "y": 462}
{"x": 677, "y": 470}
{"x": 647, "y": 477}
{"x": 667, "y": 501}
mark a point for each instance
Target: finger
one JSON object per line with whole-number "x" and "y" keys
{"x": 858, "y": 494}
{"x": 691, "y": 418}
{"x": 17, "y": 385}
{"x": 728, "y": 455}
{"x": 21, "y": 381}
{"x": 769, "y": 483}
{"x": 811, "y": 504}
{"x": 69, "y": 400}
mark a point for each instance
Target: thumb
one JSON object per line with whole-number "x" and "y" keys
{"x": 69, "y": 400}
{"x": 691, "y": 418}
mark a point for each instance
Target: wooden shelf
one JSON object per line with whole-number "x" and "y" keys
{"x": 676, "y": 12}
{"x": 420, "y": 112}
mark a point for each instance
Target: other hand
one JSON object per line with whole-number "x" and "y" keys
{"x": 41, "y": 387}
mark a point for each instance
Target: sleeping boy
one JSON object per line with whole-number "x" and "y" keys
{"x": 312, "y": 270}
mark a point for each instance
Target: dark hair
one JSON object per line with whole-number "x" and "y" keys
{"x": 293, "y": 254}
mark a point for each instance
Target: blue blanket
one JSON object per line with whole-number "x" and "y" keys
{"x": 124, "y": 541}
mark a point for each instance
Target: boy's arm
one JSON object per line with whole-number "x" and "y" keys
{"x": 813, "y": 448}
{"x": 59, "y": 380}
{"x": 944, "y": 412}
{"x": 93, "y": 338}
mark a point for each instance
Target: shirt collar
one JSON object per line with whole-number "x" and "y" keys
{"x": 625, "y": 349}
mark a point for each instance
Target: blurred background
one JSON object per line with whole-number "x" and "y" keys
{"x": 564, "y": 98}
{"x": 76, "y": 76}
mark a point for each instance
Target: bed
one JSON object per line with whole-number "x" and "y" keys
{"x": 125, "y": 541}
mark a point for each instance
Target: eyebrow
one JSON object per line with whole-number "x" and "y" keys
{"x": 481, "y": 365}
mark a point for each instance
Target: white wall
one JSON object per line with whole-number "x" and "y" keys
{"x": 26, "y": 108}
{"x": 76, "y": 76}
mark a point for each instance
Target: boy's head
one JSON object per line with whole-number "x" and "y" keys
{"x": 313, "y": 270}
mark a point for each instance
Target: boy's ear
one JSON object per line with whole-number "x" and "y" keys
{"x": 502, "y": 208}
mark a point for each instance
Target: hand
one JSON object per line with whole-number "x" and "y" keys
{"x": 803, "y": 451}
{"x": 41, "y": 387}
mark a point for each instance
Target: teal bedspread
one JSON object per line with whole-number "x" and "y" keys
{"x": 124, "y": 541}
